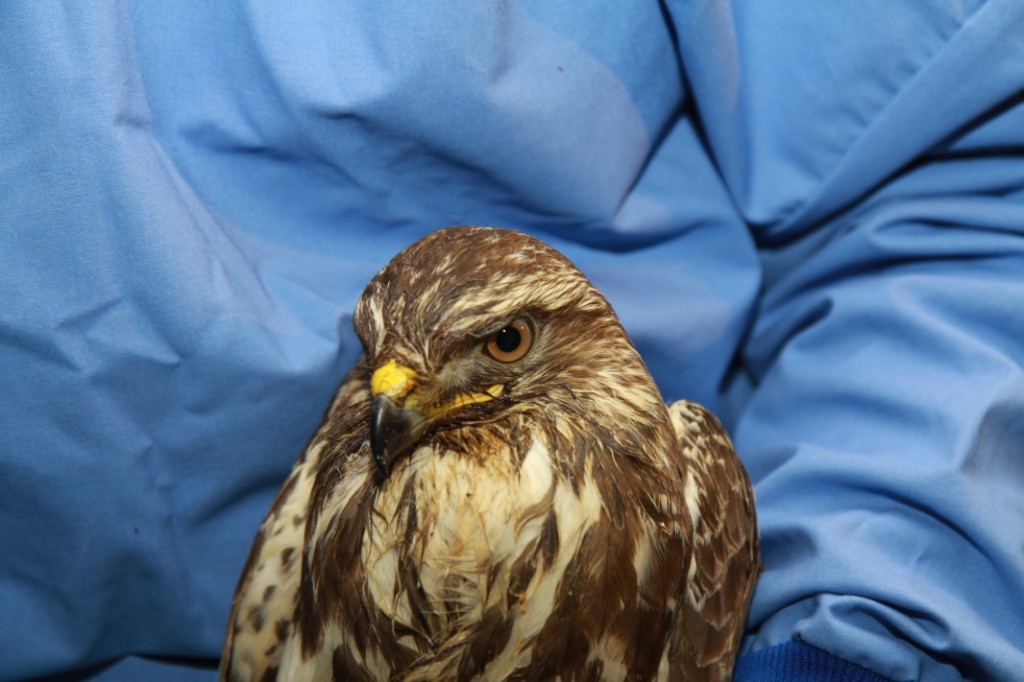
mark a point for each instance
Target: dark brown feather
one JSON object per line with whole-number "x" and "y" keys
{"x": 725, "y": 546}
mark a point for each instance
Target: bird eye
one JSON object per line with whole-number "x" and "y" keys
{"x": 511, "y": 342}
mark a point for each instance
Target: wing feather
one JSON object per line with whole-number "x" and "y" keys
{"x": 263, "y": 611}
{"x": 726, "y": 560}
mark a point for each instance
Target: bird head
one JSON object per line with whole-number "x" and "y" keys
{"x": 470, "y": 324}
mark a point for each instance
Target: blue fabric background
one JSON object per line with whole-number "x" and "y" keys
{"x": 809, "y": 216}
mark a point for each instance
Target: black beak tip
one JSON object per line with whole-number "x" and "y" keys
{"x": 378, "y": 444}
{"x": 393, "y": 430}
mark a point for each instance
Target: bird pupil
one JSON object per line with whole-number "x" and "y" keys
{"x": 508, "y": 339}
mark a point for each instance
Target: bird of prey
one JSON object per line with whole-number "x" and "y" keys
{"x": 498, "y": 492}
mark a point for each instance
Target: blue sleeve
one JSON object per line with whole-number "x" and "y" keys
{"x": 878, "y": 155}
{"x": 809, "y": 220}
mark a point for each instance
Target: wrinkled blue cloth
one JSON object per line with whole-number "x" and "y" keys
{"x": 809, "y": 216}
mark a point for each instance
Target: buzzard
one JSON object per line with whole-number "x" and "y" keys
{"x": 498, "y": 492}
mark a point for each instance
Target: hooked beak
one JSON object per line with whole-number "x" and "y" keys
{"x": 393, "y": 430}
{"x": 398, "y": 420}
{"x": 394, "y": 427}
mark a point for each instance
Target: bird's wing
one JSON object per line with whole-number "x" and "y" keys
{"x": 725, "y": 560}
{"x": 263, "y": 612}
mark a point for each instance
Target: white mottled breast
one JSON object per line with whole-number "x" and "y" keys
{"x": 467, "y": 522}
{"x": 470, "y": 512}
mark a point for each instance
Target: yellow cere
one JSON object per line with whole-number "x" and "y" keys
{"x": 393, "y": 380}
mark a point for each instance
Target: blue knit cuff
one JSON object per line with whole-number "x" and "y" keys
{"x": 799, "y": 662}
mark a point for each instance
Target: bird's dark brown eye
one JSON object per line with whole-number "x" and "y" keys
{"x": 511, "y": 342}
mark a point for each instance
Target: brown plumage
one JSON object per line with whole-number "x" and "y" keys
{"x": 498, "y": 492}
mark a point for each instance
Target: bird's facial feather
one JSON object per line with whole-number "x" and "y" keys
{"x": 484, "y": 319}
{"x": 455, "y": 282}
